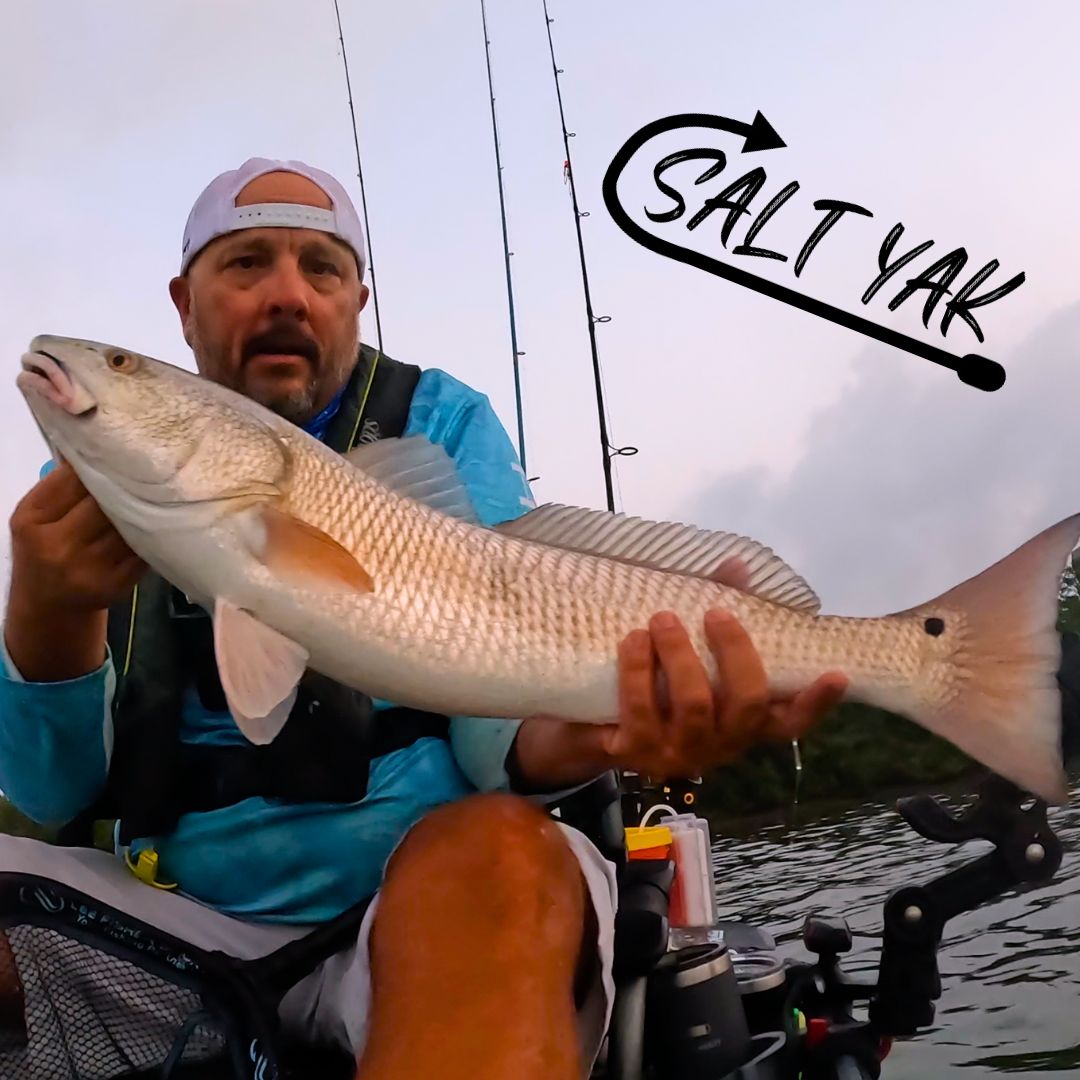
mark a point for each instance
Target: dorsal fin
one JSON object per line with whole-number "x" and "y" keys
{"x": 669, "y": 546}
{"x": 417, "y": 468}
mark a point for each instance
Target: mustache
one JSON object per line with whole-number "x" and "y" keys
{"x": 282, "y": 339}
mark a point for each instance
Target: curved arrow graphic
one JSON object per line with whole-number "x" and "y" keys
{"x": 971, "y": 369}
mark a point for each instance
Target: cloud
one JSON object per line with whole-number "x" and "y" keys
{"x": 911, "y": 482}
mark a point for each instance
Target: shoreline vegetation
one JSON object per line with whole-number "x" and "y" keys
{"x": 857, "y": 753}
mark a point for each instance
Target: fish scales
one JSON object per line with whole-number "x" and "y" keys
{"x": 305, "y": 558}
{"x": 540, "y": 610}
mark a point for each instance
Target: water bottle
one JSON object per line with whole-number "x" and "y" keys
{"x": 762, "y": 982}
{"x": 696, "y": 1026}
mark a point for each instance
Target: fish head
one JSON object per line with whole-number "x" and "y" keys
{"x": 141, "y": 433}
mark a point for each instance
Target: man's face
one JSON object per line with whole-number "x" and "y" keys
{"x": 273, "y": 313}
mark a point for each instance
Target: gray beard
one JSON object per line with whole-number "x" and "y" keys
{"x": 297, "y": 408}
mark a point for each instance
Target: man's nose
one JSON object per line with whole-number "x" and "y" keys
{"x": 286, "y": 290}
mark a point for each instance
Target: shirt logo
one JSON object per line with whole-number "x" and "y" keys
{"x": 370, "y": 432}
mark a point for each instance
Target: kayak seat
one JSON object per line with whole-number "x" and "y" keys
{"x": 232, "y": 1031}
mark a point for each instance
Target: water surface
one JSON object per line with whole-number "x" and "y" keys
{"x": 1010, "y": 970}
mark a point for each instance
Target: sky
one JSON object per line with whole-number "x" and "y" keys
{"x": 881, "y": 477}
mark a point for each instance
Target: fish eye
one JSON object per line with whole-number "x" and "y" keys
{"x": 934, "y": 627}
{"x": 122, "y": 362}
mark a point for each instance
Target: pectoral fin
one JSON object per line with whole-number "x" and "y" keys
{"x": 301, "y": 553}
{"x": 259, "y": 670}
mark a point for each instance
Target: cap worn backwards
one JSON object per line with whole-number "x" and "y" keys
{"x": 215, "y": 212}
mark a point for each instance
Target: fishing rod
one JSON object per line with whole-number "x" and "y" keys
{"x": 607, "y": 450}
{"x": 514, "y": 353}
{"x": 360, "y": 176}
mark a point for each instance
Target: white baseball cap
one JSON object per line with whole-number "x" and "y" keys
{"x": 215, "y": 212}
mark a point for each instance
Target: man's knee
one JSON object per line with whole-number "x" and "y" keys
{"x": 501, "y": 851}
{"x": 486, "y": 897}
{"x": 504, "y": 833}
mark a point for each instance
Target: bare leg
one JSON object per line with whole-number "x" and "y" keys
{"x": 11, "y": 992}
{"x": 480, "y": 933}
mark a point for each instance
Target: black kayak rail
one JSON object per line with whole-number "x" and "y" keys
{"x": 1026, "y": 853}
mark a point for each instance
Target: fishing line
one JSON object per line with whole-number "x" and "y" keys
{"x": 797, "y": 755}
{"x": 360, "y": 176}
{"x": 607, "y": 450}
{"x": 515, "y": 354}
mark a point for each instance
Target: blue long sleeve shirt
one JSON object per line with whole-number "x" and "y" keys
{"x": 264, "y": 859}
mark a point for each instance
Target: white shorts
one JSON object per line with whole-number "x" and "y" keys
{"x": 330, "y": 1005}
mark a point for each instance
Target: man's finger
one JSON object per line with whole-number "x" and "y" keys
{"x": 808, "y": 708}
{"x": 85, "y": 523}
{"x": 128, "y": 572}
{"x": 744, "y": 686}
{"x": 53, "y": 496}
{"x": 689, "y": 690}
{"x": 732, "y": 572}
{"x": 811, "y": 705}
{"x": 110, "y": 549}
{"x": 638, "y": 707}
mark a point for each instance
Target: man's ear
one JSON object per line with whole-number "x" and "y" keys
{"x": 180, "y": 292}
{"x": 365, "y": 292}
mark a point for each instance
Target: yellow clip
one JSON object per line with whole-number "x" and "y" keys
{"x": 639, "y": 839}
{"x": 146, "y": 868}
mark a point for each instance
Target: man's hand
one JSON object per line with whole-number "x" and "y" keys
{"x": 65, "y": 551}
{"x": 68, "y": 565}
{"x": 672, "y": 723}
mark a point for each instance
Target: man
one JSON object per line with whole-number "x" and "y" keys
{"x": 482, "y": 891}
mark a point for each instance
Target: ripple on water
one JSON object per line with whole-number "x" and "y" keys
{"x": 1010, "y": 970}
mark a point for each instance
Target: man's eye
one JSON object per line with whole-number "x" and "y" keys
{"x": 323, "y": 267}
{"x": 245, "y": 262}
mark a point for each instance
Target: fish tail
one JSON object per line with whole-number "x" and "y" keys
{"x": 1004, "y": 706}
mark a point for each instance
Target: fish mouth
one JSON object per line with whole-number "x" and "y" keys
{"x": 48, "y": 377}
